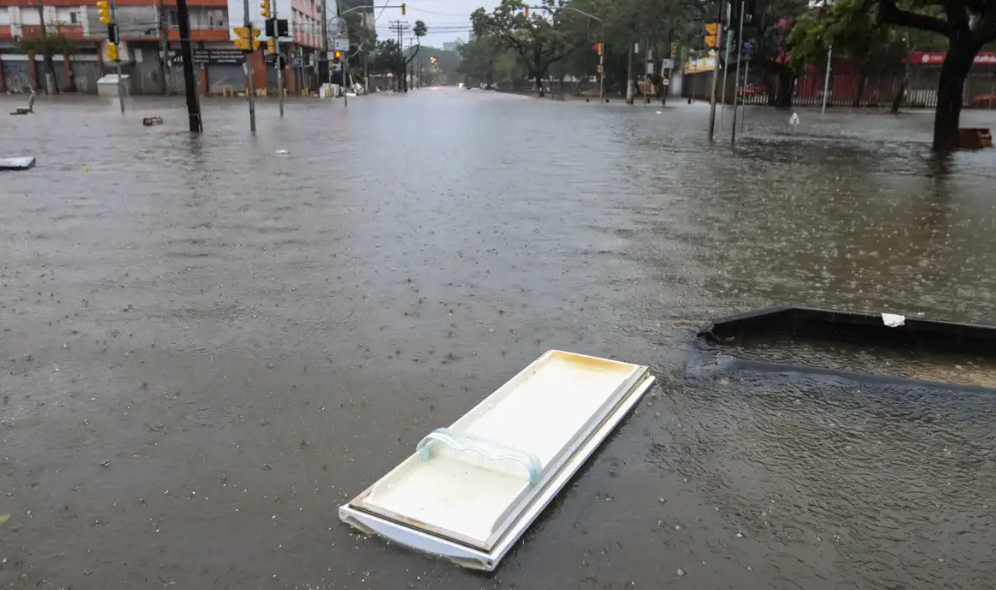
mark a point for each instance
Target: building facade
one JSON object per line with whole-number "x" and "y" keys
{"x": 149, "y": 50}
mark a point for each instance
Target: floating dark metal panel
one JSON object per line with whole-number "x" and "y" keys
{"x": 866, "y": 328}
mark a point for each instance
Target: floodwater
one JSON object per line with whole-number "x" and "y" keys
{"x": 209, "y": 346}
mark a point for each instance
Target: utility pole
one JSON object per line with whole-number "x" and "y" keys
{"x": 601, "y": 68}
{"x": 344, "y": 62}
{"x": 247, "y": 23}
{"x": 193, "y": 105}
{"x": 324, "y": 57}
{"x": 278, "y": 58}
{"x": 736, "y": 80}
{"x": 408, "y": 74}
{"x": 399, "y": 28}
{"x": 715, "y": 72}
{"x": 726, "y": 60}
{"x": 826, "y": 80}
{"x": 117, "y": 62}
{"x": 163, "y": 50}
{"x": 630, "y": 79}
{"x": 743, "y": 101}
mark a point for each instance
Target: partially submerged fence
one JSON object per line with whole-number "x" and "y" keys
{"x": 846, "y": 89}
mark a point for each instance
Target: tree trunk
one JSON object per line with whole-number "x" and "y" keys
{"x": 786, "y": 84}
{"x": 539, "y": 85}
{"x": 950, "y": 89}
{"x": 50, "y": 84}
{"x": 897, "y": 100}
{"x": 630, "y": 80}
{"x": 862, "y": 81}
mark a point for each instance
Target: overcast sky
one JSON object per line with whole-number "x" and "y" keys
{"x": 447, "y": 20}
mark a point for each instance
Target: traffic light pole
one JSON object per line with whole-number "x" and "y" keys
{"x": 249, "y": 56}
{"x": 601, "y": 75}
{"x": 345, "y": 61}
{"x": 736, "y": 79}
{"x": 278, "y": 59}
{"x": 187, "y": 54}
{"x": 715, "y": 71}
{"x": 117, "y": 66}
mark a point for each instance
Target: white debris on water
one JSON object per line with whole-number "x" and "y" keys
{"x": 893, "y": 320}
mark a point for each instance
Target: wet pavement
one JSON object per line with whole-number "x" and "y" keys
{"x": 208, "y": 346}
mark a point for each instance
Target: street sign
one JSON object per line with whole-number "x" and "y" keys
{"x": 330, "y": 55}
{"x": 210, "y": 56}
{"x": 341, "y": 44}
{"x": 749, "y": 48}
{"x": 336, "y": 67}
{"x": 667, "y": 64}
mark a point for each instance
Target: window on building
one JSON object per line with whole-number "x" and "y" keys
{"x": 74, "y": 18}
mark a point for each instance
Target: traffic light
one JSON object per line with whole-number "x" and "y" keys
{"x": 711, "y": 29}
{"x": 402, "y": 9}
{"x": 264, "y": 9}
{"x": 337, "y": 56}
{"x": 271, "y": 45}
{"x": 112, "y": 52}
{"x": 247, "y": 40}
{"x": 598, "y": 48}
{"x": 105, "y": 11}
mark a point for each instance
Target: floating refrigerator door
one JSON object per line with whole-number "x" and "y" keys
{"x": 469, "y": 491}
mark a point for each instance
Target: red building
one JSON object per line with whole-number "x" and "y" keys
{"x": 149, "y": 47}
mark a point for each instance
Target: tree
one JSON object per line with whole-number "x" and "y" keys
{"x": 388, "y": 58}
{"x": 363, "y": 38}
{"x": 419, "y": 31}
{"x": 775, "y": 19}
{"x": 854, "y": 35}
{"x": 48, "y": 45}
{"x": 966, "y": 24}
{"x": 478, "y": 59}
{"x": 539, "y": 39}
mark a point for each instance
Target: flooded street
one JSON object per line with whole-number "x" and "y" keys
{"x": 209, "y": 346}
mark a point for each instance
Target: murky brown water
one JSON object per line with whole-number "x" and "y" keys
{"x": 208, "y": 347}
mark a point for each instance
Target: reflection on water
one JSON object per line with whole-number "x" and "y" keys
{"x": 884, "y": 486}
{"x": 978, "y": 370}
